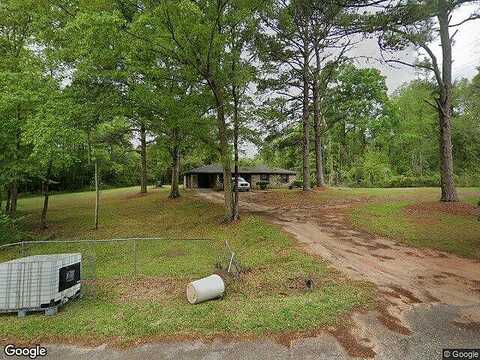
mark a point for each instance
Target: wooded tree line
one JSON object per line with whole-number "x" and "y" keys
{"x": 372, "y": 138}
{"x": 108, "y": 89}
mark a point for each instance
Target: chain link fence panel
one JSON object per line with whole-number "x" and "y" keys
{"x": 128, "y": 259}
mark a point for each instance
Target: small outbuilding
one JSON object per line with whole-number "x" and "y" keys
{"x": 211, "y": 176}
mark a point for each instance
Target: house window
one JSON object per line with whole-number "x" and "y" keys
{"x": 265, "y": 177}
{"x": 284, "y": 178}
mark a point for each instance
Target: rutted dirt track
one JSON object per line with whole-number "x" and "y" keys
{"x": 403, "y": 273}
{"x": 410, "y": 280}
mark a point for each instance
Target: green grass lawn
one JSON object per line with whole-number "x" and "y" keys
{"x": 416, "y": 218}
{"x": 413, "y": 216}
{"x": 296, "y": 197}
{"x": 269, "y": 298}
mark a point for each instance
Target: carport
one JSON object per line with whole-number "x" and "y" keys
{"x": 206, "y": 181}
{"x": 211, "y": 177}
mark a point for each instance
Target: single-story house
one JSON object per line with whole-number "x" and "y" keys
{"x": 211, "y": 176}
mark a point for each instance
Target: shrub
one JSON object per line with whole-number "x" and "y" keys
{"x": 373, "y": 170}
{"x": 296, "y": 184}
{"x": 8, "y": 230}
{"x": 414, "y": 181}
{"x": 468, "y": 179}
{"x": 263, "y": 184}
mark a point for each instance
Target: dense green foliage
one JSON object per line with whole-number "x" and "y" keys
{"x": 77, "y": 86}
{"x": 9, "y": 232}
{"x": 134, "y": 92}
{"x": 376, "y": 139}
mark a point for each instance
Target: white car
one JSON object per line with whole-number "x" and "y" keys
{"x": 243, "y": 185}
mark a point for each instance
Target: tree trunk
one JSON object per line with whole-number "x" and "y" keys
{"x": 449, "y": 192}
{"x": 97, "y": 194}
{"x": 224, "y": 149}
{"x": 8, "y": 199}
{"x": 89, "y": 149}
{"x": 236, "y": 209}
{"x": 46, "y": 184}
{"x": 236, "y": 205}
{"x": 14, "y": 188}
{"x": 331, "y": 159}
{"x": 317, "y": 123}
{"x": 342, "y": 154}
{"x": 306, "y": 126}
{"x": 319, "y": 172}
{"x": 174, "y": 191}
{"x": 143, "y": 154}
{"x": 13, "y": 198}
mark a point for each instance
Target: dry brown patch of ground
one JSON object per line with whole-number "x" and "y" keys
{"x": 467, "y": 325}
{"x": 457, "y": 208}
{"x": 351, "y": 344}
{"x": 389, "y": 321}
{"x": 324, "y": 230}
{"x": 142, "y": 289}
{"x": 406, "y": 293}
{"x": 254, "y": 282}
{"x": 344, "y": 335}
{"x": 383, "y": 257}
{"x": 295, "y": 199}
{"x": 138, "y": 195}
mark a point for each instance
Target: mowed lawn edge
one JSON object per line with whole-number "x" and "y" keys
{"x": 412, "y": 216}
{"x": 270, "y": 298}
{"x": 424, "y": 222}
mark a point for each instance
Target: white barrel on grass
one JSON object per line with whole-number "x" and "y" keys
{"x": 210, "y": 287}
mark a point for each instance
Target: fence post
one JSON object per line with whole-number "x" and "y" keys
{"x": 135, "y": 257}
{"x": 23, "y": 248}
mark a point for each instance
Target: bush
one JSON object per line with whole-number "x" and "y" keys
{"x": 8, "y": 230}
{"x": 399, "y": 181}
{"x": 263, "y": 184}
{"x": 296, "y": 184}
{"x": 373, "y": 170}
{"x": 299, "y": 183}
{"x": 414, "y": 181}
{"x": 468, "y": 179}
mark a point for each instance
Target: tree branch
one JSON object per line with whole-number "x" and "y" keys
{"x": 470, "y": 18}
{"x": 431, "y": 104}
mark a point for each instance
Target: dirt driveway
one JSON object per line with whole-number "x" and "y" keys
{"x": 413, "y": 283}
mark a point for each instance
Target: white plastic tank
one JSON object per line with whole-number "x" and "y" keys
{"x": 210, "y": 287}
{"x": 40, "y": 281}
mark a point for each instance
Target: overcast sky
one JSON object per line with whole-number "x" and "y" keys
{"x": 466, "y": 53}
